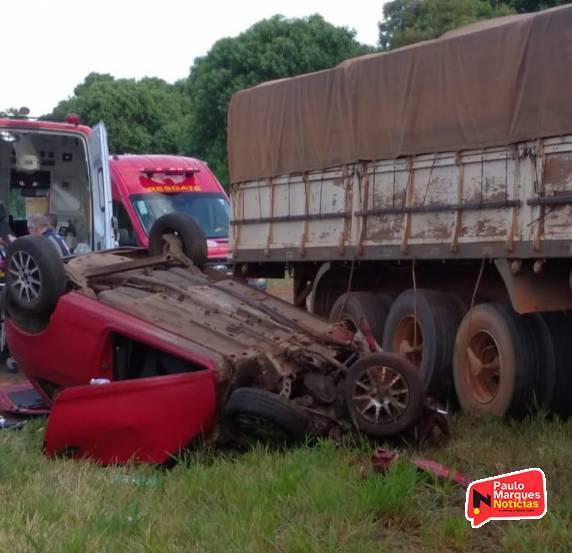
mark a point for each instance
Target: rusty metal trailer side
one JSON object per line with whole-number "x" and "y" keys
{"x": 504, "y": 204}
{"x": 498, "y": 202}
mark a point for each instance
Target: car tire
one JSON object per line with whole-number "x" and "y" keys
{"x": 193, "y": 241}
{"x": 438, "y": 316}
{"x": 354, "y": 306}
{"x": 389, "y": 369}
{"x": 35, "y": 275}
{"x": 494, "y": 362}
{"x": 264, "y": 416}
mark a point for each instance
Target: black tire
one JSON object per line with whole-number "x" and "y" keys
{"x": 357, "y": 403}
{"x": 193, "y": 241}
{"x": 546, "y": 359}
{"x": 494, "y": 362}
{"x": 358, "y": 305}
{"x": 284, "y": 421}
{"x": 438, "y": 317}
{"x": 35, "y": 275}
{"x": 560, "y": 383}
{"x": 386, "y": 299}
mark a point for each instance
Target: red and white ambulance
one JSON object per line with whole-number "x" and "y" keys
{"x": 145, "y": 187}
{"x": 59, "y": 168}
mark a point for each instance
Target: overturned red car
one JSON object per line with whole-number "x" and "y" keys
{"x": 139, "y": 353}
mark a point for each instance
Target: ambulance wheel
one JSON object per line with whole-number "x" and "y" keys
{"x": 187, "y": 230}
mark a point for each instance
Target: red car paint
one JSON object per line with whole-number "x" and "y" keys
{"x": 129, "y": 181}
{"x": 84, "y": 327}
{"x": 144, "y": 420}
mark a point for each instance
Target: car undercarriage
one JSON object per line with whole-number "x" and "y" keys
{"x": 255, "y": 365}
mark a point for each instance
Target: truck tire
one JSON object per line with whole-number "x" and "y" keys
{"x": 35, "y": 276}
{"x": 384, "y": 394}
{"x": 264, "y": 416}
{"x": 546, "y": 356}
{"x": 438, "y": 317}
{"x": 192, "y": 237}
{"x": 357, "y": 305}
{"x": 493, "y": 364}
{"x": 560, "y": 383}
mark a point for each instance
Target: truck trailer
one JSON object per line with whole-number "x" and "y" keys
{"x": 427, "y": 190}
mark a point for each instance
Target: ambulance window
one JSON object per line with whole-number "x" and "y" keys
{"x": 126, "y": 231}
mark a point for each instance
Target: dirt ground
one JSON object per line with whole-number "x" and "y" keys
{"x": 282, "y": 288}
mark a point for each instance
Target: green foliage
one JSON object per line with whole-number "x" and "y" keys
{"x": 525, "y": 6}
{"x": 408, "y": 21}
{"x": 145, "y": 116}
{"x": 271, "y": 49}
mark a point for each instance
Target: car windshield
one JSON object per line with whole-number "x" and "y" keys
{"x": 210, "y": 210}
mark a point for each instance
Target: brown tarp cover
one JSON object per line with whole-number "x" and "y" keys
{"x": 491, "y": 83}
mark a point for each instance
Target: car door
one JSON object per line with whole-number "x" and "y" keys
{"x": 146, "y": 420}
{"x": 103, "y": 236}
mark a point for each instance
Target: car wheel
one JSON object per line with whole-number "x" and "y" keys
{"x": 35, "y": 276}
{"x": 421, "y": 326}
{"x": 494, "y": 362}
{"x": 354, "y": 306}
{"x": 384, "y": 395}
{"x": 192, "y": 237}
{"x": 264, "y": 416}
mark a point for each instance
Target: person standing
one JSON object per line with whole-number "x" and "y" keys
{"x": 40, "y": 225}
{"x": 6, "y": 233}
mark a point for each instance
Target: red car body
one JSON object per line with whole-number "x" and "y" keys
{"x": 179, "y": 183}
{"x": 138, "y": 354}
{"x": 126, "y": 419}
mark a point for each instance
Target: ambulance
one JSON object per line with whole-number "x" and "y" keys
{"x": 145, "y": 187}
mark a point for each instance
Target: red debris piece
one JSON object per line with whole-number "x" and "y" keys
{"x": 383, "y": 458}
{"x": 442, "y": 471}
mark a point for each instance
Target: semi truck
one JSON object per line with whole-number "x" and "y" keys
{"x": 427, "y": 190}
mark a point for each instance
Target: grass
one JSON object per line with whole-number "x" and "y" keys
{"x": 319, "y": 499}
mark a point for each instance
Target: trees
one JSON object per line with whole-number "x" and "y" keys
{"x": 524, "y": 6}
{"x": 408, "y": 21}
{"x": 142, "y": 116}
{"x": 271, "y": 49}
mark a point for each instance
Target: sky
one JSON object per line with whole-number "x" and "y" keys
{"x": 49, "y": 46}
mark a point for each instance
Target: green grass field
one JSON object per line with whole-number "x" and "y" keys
{"x": 320, "y": 498}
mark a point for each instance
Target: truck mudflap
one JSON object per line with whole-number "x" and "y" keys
{"x": 146, "y": 420}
